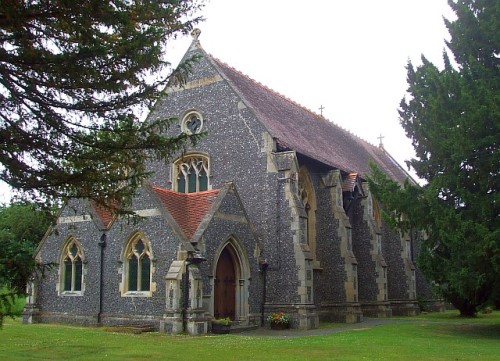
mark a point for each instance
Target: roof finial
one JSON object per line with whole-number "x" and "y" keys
{"x": 380, "y": 144}
{"x": 195, "y": 33}
{"x": 321, "y": 109}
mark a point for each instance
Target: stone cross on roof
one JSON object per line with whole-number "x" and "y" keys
{"x": 380, "y": 144}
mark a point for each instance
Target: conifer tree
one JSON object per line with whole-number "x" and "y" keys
{"x": 452, "y": 117}
{"x": 76, "y": 80}
{"x": 22, "y": 226}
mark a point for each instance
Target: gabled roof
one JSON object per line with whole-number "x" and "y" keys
{"x": 105, "y": 214}
{"x": 299, "y": 129}
{"x": 187, "y": 209}
{"x": 349, "y": 182}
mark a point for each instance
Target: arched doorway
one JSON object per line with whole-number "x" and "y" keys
{"x": 225, "y": 285}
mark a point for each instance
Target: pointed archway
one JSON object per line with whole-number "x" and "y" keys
{"x": 231, "y": 281}
{"x": 225, "y": 284}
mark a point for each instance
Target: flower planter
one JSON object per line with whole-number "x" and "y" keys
{"x": 279, "y": 326}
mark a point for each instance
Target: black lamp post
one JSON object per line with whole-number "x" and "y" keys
{"x": 193, "y": 258}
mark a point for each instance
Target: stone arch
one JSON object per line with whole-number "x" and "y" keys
{"x": 308, "y": 197}
{"x": 71, "y": 268}
{"x": 232, "y": 255}
{"x": 139, "y": 248}
{"x": 191, "y": 173}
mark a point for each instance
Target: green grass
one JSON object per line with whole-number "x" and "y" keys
{"x": 454, "y": 316}
{"x": 17, "y": 305}
{"x": 432, "y": 338}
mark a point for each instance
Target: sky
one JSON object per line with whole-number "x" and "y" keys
{"x": 348, "y": 57}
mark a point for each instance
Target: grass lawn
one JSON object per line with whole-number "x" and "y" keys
{"x": 16, "y": 306}
{"x": 427, "y": 337}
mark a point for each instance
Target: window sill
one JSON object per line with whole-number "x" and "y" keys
{"x": 137, "y": 294}
{"x": 71, "y": 293}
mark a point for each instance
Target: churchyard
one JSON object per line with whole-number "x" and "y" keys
{"x": 433, "y": 336}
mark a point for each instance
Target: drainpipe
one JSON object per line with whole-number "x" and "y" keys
{"x": 102, "y": 245}
{"x": 263, "y": 268}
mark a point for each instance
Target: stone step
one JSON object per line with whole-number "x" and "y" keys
{"x": 235, "y": 328}
{"x": 131, "y": 328}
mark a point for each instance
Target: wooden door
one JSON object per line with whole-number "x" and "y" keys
{"x": 225, "y": 287}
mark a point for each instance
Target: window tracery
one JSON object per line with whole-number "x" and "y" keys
{"x": 72, "y": 268}
{"x": 191, "y": 174}
{"x": 138, "y": 266}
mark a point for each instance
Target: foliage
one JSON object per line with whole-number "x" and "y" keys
{"x": 222, "y": 321}
{"x": 76, "y": 78}
{"x": 410, "y": 340}
{"x": 22, "y": 226}
{"x": 453, "y": 118}
{"x": 278, "y": 318}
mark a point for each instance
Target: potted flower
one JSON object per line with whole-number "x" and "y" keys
{"x": 221, "y": 325}
{"x": 279, "y": 321}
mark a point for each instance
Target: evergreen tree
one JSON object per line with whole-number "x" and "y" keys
{"x": 22, "y": 226}
{"x": 453, "y": 119}
{"x": 76, "y": 78}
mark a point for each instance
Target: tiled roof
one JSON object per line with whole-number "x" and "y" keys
{"x": 105, "y": 214}
{"x": 349, "y": 182}
{"x": 187, "y": 209}
{"x": 299, "y": 129}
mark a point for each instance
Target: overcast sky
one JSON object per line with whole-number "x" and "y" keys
{"x": 347, "y": 56}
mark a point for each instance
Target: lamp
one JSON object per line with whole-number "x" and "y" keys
{"x": 194, "y": 257}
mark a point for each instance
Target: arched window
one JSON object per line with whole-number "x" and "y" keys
{"x": 191, "y": 174}
{"x": 72, "y": 268}
{"x": 138, "y": 266}
{"x": 308, "y": 198}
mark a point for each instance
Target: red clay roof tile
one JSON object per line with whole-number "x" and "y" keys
{"x": 187, "y": 209}
{"x": 105, "y": 214}
{"x": 349, "y": 182}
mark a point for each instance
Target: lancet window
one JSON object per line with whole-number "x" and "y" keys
{"x": 72, "y": 267}
{"x": 138, "y": 266}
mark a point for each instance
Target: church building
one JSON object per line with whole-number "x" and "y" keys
{"x": 269, "y": 212}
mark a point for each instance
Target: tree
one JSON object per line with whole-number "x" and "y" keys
{"x": 453, "y": 119}
{"x": 76, "y": 78}
{"x": 22, "y": 226}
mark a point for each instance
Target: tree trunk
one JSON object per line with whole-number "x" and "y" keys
{"x": 466, "y": 308}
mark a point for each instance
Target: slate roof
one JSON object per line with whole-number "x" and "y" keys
{"x": 187, "y": 209}
{"x": 299, "y": 129}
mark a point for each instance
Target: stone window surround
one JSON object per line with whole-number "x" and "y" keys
{"x": 187, "y": 117}
{"x": 308, "y": 197}
{"x": 123, "y": 270}
{"x": 64, "y": 252}
{"x": 183, "y": 159}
